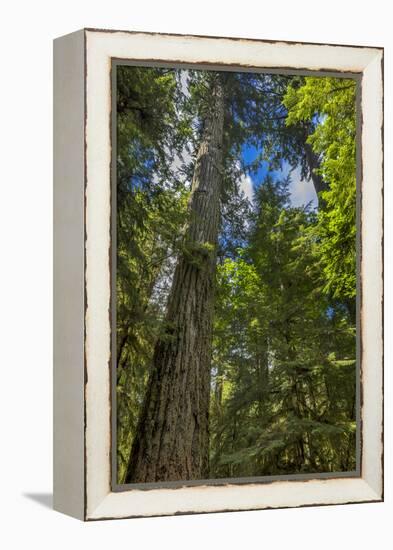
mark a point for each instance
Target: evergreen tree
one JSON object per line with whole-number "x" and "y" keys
{"x": 172, "y": 439}
{"x": 284, "y": 378}
{"x": 332, "y": 102}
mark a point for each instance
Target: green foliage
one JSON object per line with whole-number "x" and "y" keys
{"x": 283, "y": 398}
{"x": 332, "y": 102}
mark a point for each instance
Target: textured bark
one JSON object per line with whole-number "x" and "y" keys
{"x": 172, "y": 439}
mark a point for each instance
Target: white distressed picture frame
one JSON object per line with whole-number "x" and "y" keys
{"x": 82, "y": 241}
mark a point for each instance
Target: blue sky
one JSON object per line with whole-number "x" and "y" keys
{"x": 302, "y": 191}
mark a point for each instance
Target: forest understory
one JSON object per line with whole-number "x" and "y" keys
{"x": 236, "y": 274}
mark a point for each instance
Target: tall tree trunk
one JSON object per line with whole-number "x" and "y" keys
{"x": 172, "y": 439}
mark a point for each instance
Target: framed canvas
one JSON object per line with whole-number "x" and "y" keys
{"x": 218, "y": 270}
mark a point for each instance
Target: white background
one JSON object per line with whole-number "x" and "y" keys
{"x": 28, "y": 28}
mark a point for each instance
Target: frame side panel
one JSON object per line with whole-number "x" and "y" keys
{"x": 68, "y": 242}
{"x": 372, "y": 275}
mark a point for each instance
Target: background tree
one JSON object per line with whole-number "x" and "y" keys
{"x": 332, "y": 101}
{"x": 283, "y": 363}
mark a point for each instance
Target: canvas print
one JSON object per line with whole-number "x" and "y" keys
{"x": 235, "y": 276}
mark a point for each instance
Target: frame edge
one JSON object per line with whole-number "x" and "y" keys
{"x": 68, "y": 272}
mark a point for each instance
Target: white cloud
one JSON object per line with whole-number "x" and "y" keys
{"x": 302, "y": 191}
{"x": 247, "y": 187}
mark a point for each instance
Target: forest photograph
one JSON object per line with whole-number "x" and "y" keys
{"x": 235, "y": 276}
